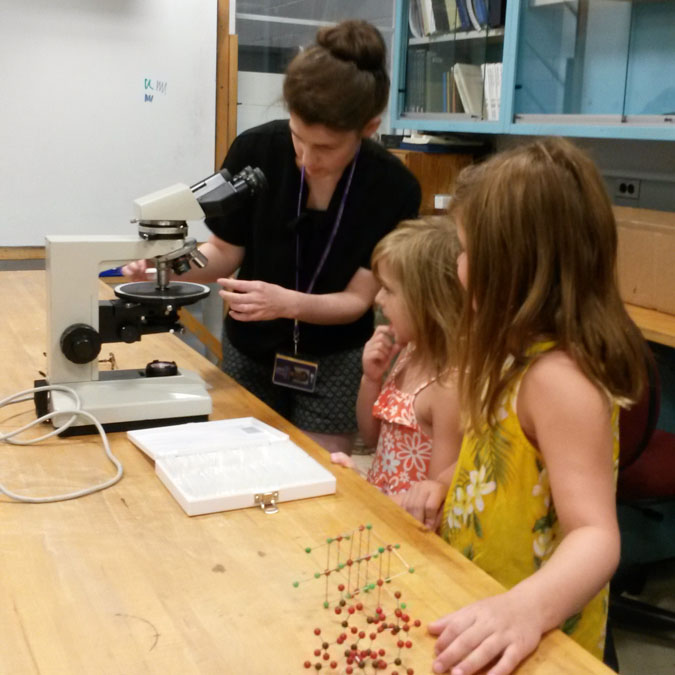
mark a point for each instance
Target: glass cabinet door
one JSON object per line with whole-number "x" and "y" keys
{"x": 272, "y": 32}
{"x": 610, "y": 61}
{"x": 453, "y": 59}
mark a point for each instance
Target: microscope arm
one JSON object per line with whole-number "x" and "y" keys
{"x": 73, "y": 266}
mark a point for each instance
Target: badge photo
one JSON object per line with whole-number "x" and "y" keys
{"x": 290, "y": 371}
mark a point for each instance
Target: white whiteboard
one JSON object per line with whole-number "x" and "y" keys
{"x": 101, "y": 102}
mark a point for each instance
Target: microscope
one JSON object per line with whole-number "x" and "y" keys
{"x": 79, "y": 323}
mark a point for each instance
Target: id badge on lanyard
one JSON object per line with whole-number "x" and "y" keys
{"x": 291, "y": 371}
{"x": 294, "y": 371}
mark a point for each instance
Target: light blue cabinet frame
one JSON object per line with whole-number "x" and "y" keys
{"x": 606, "y": 126}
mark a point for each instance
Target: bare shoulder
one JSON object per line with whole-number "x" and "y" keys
{"x": 557, "y": 375}
{"x": 437, "y": 401}
{"x": 443, "y": 399}
{"x": 556, "y": 387}
{"x": 445, "y": 390}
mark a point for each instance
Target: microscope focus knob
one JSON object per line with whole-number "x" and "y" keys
{"x": 80, "y": 343}
{"x": 129, "y": 333}
{"x": 158, "y": 368}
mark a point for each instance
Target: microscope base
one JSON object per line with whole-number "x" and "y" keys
{"x": 127, "y": 399}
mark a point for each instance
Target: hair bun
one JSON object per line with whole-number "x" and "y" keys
{"x": 355, "y": 41}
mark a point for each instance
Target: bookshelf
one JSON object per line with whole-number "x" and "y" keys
{"x": 442, "y": 67}
{"x": 573, "y": 68}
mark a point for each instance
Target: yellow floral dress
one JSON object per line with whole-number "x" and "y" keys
{"x": 500, "y": 515}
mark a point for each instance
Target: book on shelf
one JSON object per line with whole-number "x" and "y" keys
{"x": 492, "y": 86}
{"x": 472, "y": 15}
{"x": 454, "y": 23}
{"x": 481, "y": 11}
{"x": 416, "y": 77}
{"x": 440, "y": 16}
{"x": 470, "y": 87}
{"x": 486, "y": 73}
{"x": 463, "y": 14}
{"x": 433, "y": 84}
{"x": 451, "y": 100}
{"x": 415, "y": 19}
{"x": 496, "y": 13}
{"x": 455, "y": 99}
{"x": 428, "y": 20}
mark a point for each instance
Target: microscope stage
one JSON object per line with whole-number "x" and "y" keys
{"x": 177, "y": 293}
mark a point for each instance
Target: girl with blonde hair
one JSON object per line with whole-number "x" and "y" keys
{"x": 413, "y": 413}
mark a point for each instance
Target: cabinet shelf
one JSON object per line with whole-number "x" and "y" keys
{"x": 490, "y": 34}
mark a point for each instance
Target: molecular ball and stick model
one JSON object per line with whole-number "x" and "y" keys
{"x": 370, "y": 629}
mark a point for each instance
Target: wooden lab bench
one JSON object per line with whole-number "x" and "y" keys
{"x": 123, "y": 581}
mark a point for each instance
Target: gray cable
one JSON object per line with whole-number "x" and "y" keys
{"x": 27, "y": 394}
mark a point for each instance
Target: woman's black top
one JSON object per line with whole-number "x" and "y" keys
{"x": 383, "y": 192}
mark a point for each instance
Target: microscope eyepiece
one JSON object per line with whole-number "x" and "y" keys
{"x": 221, "y": 193}
{"x": 250, "y": 180}
{"x": 163, "y": 214}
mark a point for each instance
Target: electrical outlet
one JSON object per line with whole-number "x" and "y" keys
{"x": 627, "y": 188}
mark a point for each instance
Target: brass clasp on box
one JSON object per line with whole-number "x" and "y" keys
{"x": 267, "y": 501}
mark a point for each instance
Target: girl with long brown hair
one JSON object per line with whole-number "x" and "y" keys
{"x": 547, "y": 354}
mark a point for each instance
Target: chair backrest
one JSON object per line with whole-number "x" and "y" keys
{"x": 637, "y": 424}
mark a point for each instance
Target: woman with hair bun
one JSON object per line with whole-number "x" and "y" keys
{"x": 300, "y": 309}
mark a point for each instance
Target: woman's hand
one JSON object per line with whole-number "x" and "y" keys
{"x": 501, "y": 630}
{"x": 136, "y": 271}
{"x": 424, "y": 502}
{"x": 378, "y": 353}
{"x": 257, "y": 300}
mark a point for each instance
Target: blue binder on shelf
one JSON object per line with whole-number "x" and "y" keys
{"x": 496, "y": 13}
{"x": 463, "y": 13}
{"x": 481, "y": 11}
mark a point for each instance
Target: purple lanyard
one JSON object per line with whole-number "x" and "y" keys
{"x": 329, "y": 244}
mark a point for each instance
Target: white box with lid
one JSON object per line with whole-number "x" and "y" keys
{"x": 231, "y": 464}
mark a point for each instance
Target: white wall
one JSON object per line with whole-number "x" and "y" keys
{"x": 259, "y": 99}
{"x": 101, "y": 102}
